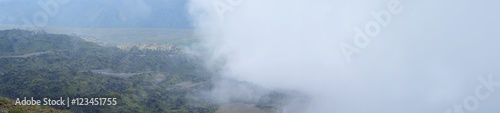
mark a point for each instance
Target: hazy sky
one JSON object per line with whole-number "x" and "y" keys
{"x": 428, "y": 58}
{"x": 101, "y": 13}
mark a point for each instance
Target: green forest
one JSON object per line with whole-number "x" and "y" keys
{"x": 43, "y": 65}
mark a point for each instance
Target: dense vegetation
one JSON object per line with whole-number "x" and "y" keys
{"x": 41, "y": 65}
{"x": 143, "y": 79}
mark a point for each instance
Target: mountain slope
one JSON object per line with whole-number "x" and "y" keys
{"x": 41, "y": 65}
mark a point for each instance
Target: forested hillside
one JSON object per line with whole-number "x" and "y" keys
{"x": 143, "y": 79}
{"x": 41, "y": 65}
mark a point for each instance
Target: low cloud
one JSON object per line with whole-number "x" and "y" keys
{"x": 425, "y": 61}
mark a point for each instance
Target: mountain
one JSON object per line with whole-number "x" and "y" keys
{"x": 143, "y": 78}
{"x": 100, "y": 13}
{"x": 41, "y": 65}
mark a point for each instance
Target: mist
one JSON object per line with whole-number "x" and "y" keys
{"x": 429, "y": 57}
{"x": 97, "y": 13}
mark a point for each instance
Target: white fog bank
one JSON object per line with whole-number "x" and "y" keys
{"x": 423, "y": 57}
